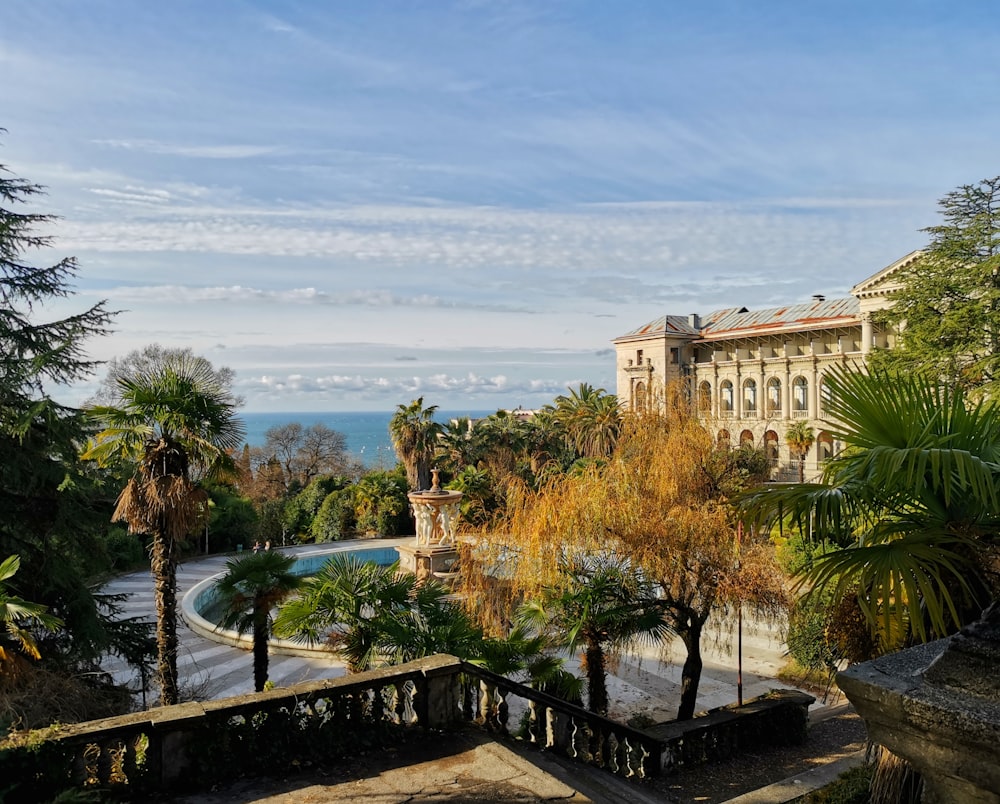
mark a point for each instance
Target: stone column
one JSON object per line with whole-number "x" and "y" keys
{"x": 867, "y": 333}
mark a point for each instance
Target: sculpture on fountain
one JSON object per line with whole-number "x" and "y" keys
{"x": 436, "y": 515}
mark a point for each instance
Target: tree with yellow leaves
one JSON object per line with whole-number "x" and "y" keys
{"x": 660, "y": 503}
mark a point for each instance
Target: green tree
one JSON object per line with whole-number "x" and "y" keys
{"x": 947, "y": 308}
{"x": 590, "y": 419}
{"x": 336, "y": 517}
{"x": 381, "y": 504}
{"x": 414, "y": 435}
{"x": 912, "y": 504}
{"x": 172, "y": 420}
{"x": 50, "y": 506}
{"x": 253, "y": 585}
{"x": 601, "y": 605}
{"x": 800, "y": 437}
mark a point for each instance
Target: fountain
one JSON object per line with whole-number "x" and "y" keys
{"x": 435, "y": 549}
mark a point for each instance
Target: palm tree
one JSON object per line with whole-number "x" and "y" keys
{"x": 16, "y": 612}
{"x": 590, "y": 419}
{"x": 602, "y": 605}
{"x": 374, "y": 615}
{"x": 173, "y": 419}
{"x": 253, "y": 585}
{"x": 912, "y": 504}
{"x": 414, "y": 436}
{"x": 800, "y": 438}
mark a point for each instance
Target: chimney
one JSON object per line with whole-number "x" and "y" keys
{"x": 695, "y": 321}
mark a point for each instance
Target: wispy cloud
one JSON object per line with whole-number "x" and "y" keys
{"x": 228, "y": 151}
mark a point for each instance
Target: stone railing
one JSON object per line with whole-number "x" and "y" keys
{"x": 551, "y": 723}
{"x": 193, "y": 746}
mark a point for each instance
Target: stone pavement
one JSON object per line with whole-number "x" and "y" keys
{"x": 463, "y": 766}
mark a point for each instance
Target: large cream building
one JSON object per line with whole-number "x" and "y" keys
{"x": 752, "y": 373}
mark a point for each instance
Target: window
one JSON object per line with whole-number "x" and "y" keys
{"x": 726, "y": 396}
{"x": 705, "y": 397}
{"x": 800, "y": 395}
{"x": 746, "y": 437}
{"x": 771, "y": 447}
{"x": 749, "y": 396}
{"x": 774, "y": 395}
{"x": 675, "y": 355}
{"x": 638, "y": 357}
{"x": 722, "y": 441}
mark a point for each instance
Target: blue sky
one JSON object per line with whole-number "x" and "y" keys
{"x": 354, "y": 204}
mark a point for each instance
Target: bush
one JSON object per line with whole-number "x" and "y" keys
{"x": 335, "y": 518}
{"x": 125, "y": 550}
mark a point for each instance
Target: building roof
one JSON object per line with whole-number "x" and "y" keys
{"x": 735, "y": 321}
{"x": 817, "y": 313}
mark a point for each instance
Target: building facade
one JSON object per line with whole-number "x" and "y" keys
{"x": 751, "y": 374}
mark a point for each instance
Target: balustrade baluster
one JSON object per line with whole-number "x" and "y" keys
{"x": 502, "y": 712}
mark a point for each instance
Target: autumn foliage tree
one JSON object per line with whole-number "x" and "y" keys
{"x": 659, "y": 502}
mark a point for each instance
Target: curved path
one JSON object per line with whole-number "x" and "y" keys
{"x": 208, "y": 669}
{"x": 641, "y": 682}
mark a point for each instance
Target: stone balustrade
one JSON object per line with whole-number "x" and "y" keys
{"x": 193, "y": 746}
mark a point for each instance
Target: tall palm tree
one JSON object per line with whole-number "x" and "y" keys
{"x": 601, "y": 606}
{"x": 174, "y": 422}
{"x": 913, "y": 503}
{"x": 253, "y": 585}
{"x": 16, "y": 613}
{"x": 800, "y": 438}
{"x": 414, "y": 435}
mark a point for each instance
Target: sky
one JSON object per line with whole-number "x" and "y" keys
{"x": 356, "y": 204}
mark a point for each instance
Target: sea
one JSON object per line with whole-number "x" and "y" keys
{"x": 367, "y": 432}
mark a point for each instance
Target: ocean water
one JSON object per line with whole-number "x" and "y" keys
{"x": 367, "y": 432}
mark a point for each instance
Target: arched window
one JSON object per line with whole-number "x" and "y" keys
{"x": 749, "y": 396}
{"x": 746, "y": 437}
{"x": 800, "y": 397}
{"x": 726, "y": 397}
{"x": 639, "y": 396}
{"x": 722, "y": 440}
{"x": 705, "y": 397}
{"x": 824, "y": 446}
{"x": 771, "y": 447}
{"x": 774, "y": 395}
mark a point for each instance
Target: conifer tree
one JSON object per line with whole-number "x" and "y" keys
{"x": 47, "y": 511}
{"x": 947, "y": 310}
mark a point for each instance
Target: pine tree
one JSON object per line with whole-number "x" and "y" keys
{"x": 47, "y": 503}
{"x": 948, "y": 308}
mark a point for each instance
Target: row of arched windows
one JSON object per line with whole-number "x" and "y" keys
{"x": 772, "y": 398}
{"x": 824, "y": 443}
